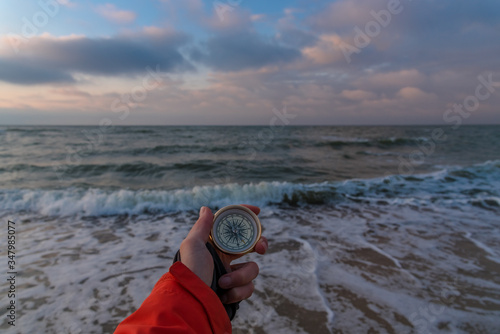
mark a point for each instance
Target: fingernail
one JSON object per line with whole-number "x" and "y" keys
{"x": 203, "y": 209}
{"x": 225, "y": 281}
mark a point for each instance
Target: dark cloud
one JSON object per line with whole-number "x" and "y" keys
{"x": 297, "y": 38}
{"x": 48, "y": 60}
{"x": 26, "y": 74}
{"x": 243, "y": 50}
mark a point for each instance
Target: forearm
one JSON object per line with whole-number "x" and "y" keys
{"x": 179, "y": 303}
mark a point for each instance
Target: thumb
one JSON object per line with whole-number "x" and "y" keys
{"x": 201, "y": 229}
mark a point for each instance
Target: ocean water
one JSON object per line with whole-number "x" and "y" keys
{"x": 371, "y": 229}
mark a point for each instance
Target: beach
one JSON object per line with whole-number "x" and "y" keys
{"x": 371, "y": 229}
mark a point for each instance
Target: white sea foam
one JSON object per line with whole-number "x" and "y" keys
{"x": 492, "y": 255}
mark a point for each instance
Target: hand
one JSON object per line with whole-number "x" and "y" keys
{"x": 195, "y": 256}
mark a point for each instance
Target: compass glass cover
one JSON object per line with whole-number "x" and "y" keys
{"x": 235, "y": 231}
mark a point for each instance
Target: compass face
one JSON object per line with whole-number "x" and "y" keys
{"x": 236, "y": 229}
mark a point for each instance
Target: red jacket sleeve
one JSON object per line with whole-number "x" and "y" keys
{"x": 179, "y": 303}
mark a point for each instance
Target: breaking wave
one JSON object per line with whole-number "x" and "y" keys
{"x": 476, "y": 185}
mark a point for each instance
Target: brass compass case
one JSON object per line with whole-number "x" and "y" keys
{"x": 236, "y": 229}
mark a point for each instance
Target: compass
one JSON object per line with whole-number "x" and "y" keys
{"x": 236, "y": 229}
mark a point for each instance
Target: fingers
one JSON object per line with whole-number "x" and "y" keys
{"x": 239, "y": 282}
{"x": 201, "y": 229}
{"x": 241, "y": 275}
{"x": 261, "y": 245}
{"x": 254, "y": 208}
{"x": 238, "y": 294}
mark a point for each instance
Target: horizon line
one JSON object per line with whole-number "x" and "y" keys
{"x": 295, "y": 125}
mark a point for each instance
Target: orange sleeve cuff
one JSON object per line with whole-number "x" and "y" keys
{"x": 179, "y": 303}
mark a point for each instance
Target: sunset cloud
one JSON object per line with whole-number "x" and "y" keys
{"x": 112, "y": 13}
{"x": 326, "y": 50}
{"x": 415, "y": 94}
{"x": 358, "y": 95}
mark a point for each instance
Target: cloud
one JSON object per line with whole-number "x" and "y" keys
{"x": 235, "y": 44}
{"x": 258, "y": 17}
{"x": 296, "y": 38}
{"x": 55, "y": 59}
{"x": 71, "y": 91}
{"x": 326, "y": 50}
{"x": 358, "y": 95}
{"x": 391, "y": 80}
{"x": 113, "y": 14}
{"x": 415, "y": 94}
{"x": 228, "y": 19}
{"x": 240, "y": 51}
{"x": 213, "y": 16}
{"x": 345, "y": 14}
{"x": 413, "y": 37}
{"x": 27, "y": 74}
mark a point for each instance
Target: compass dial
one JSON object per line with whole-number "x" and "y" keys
{"x": 236, "y": 229}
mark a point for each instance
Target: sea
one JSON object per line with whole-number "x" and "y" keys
{"x": 371, "y": 229}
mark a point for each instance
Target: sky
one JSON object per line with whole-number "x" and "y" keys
{"x": 247, "y": 62}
